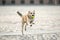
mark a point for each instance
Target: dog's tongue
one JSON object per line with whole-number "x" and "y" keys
{"x": 32, "y": 17}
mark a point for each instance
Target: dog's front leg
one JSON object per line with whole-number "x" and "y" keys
{"x": 22, "y": 27}
{"x": 31, "y": 22}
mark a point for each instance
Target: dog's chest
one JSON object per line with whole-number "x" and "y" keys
{"x": 25, "y": 18}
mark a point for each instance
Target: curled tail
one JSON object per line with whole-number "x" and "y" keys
{"x": 19, "y": 13}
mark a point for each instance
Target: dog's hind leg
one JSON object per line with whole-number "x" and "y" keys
{"x": 25, "y": 26}
{"x": 22, "y": 27}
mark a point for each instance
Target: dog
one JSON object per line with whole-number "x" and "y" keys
{"x": 29, "y": 18}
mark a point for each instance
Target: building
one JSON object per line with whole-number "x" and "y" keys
{"x": 39, "y": 2}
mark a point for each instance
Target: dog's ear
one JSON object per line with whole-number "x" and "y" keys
{"x": 28, "y": 11}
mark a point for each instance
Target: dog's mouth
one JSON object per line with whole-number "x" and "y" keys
{"x": 32, "y": 16}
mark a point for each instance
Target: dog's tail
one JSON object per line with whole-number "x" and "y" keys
{"x": 19, "y": 13}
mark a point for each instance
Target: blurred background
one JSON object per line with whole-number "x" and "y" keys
{"x": 29, "y": 2}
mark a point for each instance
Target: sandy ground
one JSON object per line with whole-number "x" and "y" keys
{"x": 47, "y": 21}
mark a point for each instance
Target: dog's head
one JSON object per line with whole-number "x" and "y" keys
{"x": 31, "y": 14}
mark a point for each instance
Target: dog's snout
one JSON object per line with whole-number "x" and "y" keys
{"x": 32, "y": 15}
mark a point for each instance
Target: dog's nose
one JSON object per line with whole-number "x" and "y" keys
{"x": 32, "y": 15}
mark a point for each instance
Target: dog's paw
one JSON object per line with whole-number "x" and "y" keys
{"x": 30, "y": 25}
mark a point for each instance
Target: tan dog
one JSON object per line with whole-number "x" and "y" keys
{"x": 29, "y": 18}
